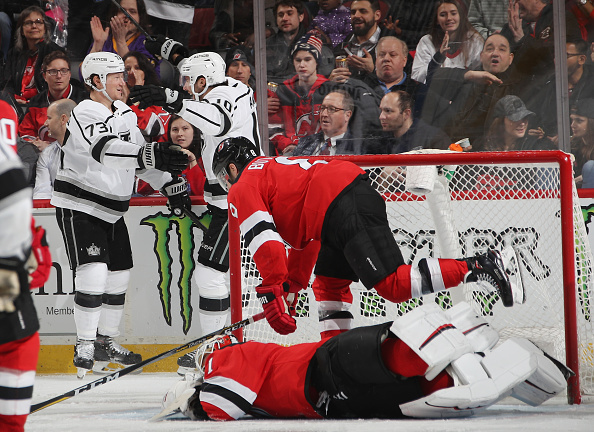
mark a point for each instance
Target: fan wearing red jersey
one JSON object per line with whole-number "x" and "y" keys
{"x": 21, "y": 253}
{"x": 330, "y": 216}
{"x": 427, "y": 363}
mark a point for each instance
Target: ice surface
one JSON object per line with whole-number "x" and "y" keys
{"x": 126, "y": 404}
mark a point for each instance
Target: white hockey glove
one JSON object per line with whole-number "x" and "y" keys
{"x": 177, "y": 195}
{"x": 9, "y": 289}
{"x": 163, "y": 156}
{"x": 151, "y": 95}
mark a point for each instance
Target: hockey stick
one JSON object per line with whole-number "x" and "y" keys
{"x": 107, "y": 378}
{"x": 132, "y": 20}
{"x": 197, "y": 220}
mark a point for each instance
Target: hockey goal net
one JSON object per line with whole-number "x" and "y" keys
{"x": 478, "y": 201}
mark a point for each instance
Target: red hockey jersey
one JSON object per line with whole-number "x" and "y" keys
{"x": 264, "y": 379}
{"x": 284, "y": 200}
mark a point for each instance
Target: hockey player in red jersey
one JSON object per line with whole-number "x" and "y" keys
{"x": 25, "y": 262}
{"x": 332, "y": 217}
{"x": 428, "y": 363}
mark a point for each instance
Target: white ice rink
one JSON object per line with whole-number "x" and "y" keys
{"x": 126, "y": 404}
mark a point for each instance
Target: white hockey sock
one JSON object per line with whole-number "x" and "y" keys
{"x": 213, "y": 289}
{"x": 89, "y": 282}
{"x": 113, "y": 303}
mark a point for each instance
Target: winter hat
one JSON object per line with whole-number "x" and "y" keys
{"x": 309, "y": 43}
{"x": 237, "y": 54}
{"x": 584, "y": 108}
{"x": 511, "y": 107}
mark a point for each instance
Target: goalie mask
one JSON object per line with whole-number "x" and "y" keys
{"x": 209, "y": 65}
{"x": 239, "y": 151}
{"x": 101, "y": 64}
{"x": 211, "y": 345}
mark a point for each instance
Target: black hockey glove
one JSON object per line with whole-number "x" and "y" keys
{"x": 149, "y": 95}
{"x": 177, "y": 195}
{"x": 169, "y": 49}
{"x": 10, "y": 286}
{"x": 163, "y": 156}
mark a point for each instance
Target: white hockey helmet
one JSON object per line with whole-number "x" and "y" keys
{"x": 209, "y": 65}
{"x": 211, "y": 345}
{"x": 101, "y": 63}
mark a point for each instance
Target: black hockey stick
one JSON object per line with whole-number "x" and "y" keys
{"x": 133, "y": 21}
{"x": 197, "y": 220}
{"x": 113, "y": 376}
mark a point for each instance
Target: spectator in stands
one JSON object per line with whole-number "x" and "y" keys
{"x": 531, "y": 34}
{"x": 233, "y": 24}
{"x": 508, "y": 129}
{"x": 23, "y": 72}
{"x": 153, "y": 120}
{"x": 289, "y": 20}
{"x": 359, "y": 47}
{"x": 5, "y": 35}
{"x": 459, "y": 101}
{"x": 239, "y": 67}
{"x": 58, "y": 114}
{"x": 121, "y": 35}
{"x": 411, "y": 20}
{"x": 580, "y": 76}
{"x": 404, "y": 131}
{"x": 390, "y": 72}
{"x": 60, "y": 85}
{"x": 488, "y": 16}
{"x": 452, "y": 41}
{"x": 171, "y": 18}
{"x": 296, "y": 94}
{"x": 188, "y": 137}
{"x": 333, "y": 20}
{"x": 582, "y": 142}
{"x": 334, "y": 137}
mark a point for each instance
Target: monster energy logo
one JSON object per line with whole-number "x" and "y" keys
{"x": 162, "y": 225}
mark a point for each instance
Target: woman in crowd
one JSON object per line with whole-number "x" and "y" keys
{"x": 121, "y": 35}
{"x": 153, "y": 120}
{"x": 452, "y": 41}
{"x": 296, "y": 95}
{"x": 582, "y": 142}
{"x": 22, "y": 77}
{"x": 508, "y": 129}
{"x": 188, "y": 137}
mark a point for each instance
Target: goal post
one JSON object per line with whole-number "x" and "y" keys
{"x": 526, "y": 200}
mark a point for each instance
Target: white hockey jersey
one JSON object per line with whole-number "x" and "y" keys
{"x": 228, "y": 110}
{"x": 99, "y": 162}
{"x": 15, "y": 194}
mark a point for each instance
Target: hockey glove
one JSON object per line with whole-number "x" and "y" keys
{"x": 150, "y": 95}
{"x": 177, "y": 195}
{"x": 163, "y": 156}
{"x": 40, "y": 250}
{"x": 167, "y": 49}
{"x": 276, "y": 308}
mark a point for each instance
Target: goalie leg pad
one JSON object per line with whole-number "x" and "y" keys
{"x": 480, "y": 334}
{"x": 431, "y": 335}
{"x": 546, "y": 381}
{"x": 473, "y": 391}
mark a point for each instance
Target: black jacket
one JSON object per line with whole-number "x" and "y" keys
{"x": 346, "y": 145}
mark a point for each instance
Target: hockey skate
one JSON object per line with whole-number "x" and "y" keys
{"x": 83, "y": 357}
{"x": 492, "y": 273}
{"x": 108, "y": 351}
{"x": 187, "y": 363}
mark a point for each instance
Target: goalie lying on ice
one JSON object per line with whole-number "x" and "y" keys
{"x": 428, "y": 363}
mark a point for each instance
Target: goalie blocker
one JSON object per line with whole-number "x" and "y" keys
{"x": 427, "y": 364}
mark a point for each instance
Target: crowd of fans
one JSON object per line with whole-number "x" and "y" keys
{"x": 344, "y": 77}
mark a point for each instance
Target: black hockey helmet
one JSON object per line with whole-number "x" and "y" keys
{"x": 238, "y": 151}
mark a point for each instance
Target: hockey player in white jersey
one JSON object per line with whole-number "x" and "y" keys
{"x": 221, "y": 107}
{"x": 103, "y": 151}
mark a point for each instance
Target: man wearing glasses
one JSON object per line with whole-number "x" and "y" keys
{"x": 335, "y": 136}
{"x": 56, "y": 73}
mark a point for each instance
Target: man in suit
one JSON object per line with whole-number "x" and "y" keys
{"x": 334, "y": 137}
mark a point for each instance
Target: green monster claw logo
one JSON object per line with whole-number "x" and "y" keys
{"x": 162, "y": 227}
